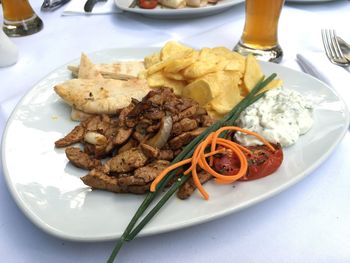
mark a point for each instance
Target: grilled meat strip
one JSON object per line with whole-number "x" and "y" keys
{"x": 81, "y": 159}
{"x": 187, "y": 189}
{"x": 127, "y": 161}
{"x": 76, "y": 135}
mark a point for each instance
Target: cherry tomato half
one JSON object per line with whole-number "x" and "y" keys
{"x": 261, "y": 162}
{"x": 148, "y": 4}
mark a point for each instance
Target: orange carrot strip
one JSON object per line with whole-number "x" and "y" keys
{"x": 166, "y": 171}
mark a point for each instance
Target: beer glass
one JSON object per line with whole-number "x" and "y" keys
{"x": 260, "y": 30}
{"x": 19, "y": 18}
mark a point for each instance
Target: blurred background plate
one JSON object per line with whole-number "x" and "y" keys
{"x": 187, "y": 12}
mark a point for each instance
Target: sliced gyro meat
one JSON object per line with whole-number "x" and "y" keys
{"x": 127, "y": 161}
{"x": 81, "y": 159}
{"x": 187, "y": 189}
{"x": 122, "y": 135}
{"x": 189, "y": 112}
{"x": 145, "y": 174}
{"x": 76, "y": 135}
{"x": 184, "y": 138}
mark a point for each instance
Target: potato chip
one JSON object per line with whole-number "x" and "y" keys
{"x": 179, "y": 64}
{"x": 158, "y": 80}
{"x": 199, "y": 69}
{"x": 275, "y": 83}
{"x": 175, "y": 76}
{"x": 229, "y": 94}
{"x": 173, "y": 49}
{"x": 253, "y": 73}
{"x": 151, "y": 60}
{"x": 199, "y": 90}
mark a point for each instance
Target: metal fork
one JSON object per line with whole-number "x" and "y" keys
{"x": 331, "y": 46}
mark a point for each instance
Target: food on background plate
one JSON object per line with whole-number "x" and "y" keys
{"x": 173, "y": 4}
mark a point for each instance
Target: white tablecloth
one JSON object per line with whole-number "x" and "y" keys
{"x": 309, "y": 222}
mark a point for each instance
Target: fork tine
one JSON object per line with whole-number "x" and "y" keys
{"x": 326, "y": 44}
{"x": 335, "y": 44}
{"x": 332, "y": 48}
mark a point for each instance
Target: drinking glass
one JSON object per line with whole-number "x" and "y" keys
{"x": 260, "y": 30}
{"x": 20, "y": 18}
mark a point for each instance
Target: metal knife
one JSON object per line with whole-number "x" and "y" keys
{"x": 310, "y": 69}
{"x": 51, "y": 5}
{"x": 345, "y": 47}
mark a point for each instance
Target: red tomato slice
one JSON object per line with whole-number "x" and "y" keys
{"x": 148, "y": 4}
{"x": 261, "y": 162}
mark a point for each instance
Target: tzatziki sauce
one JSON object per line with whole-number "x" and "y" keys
{"x": 281, "y": 116}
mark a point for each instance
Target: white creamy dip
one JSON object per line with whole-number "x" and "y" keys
{"x": 281, "y": 116}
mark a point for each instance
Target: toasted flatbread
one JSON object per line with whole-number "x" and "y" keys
{"x": 97, "y": 96}
{"x": 122, "y": 70}
{"x": 78, "y": 115}
{"x": 87, "y": 69}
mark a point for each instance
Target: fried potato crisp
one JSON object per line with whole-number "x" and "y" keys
{"x": 217, "y": 78}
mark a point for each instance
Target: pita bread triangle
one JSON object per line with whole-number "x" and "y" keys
{"x": 87, "y": 69}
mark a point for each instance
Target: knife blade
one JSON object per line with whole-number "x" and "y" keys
{"x": 345, "y": 47}
{"x": 309, "y": 68}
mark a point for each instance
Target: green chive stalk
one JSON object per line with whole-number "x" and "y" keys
{"x": 131, "y": 231}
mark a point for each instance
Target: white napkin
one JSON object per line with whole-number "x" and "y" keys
{"x": 76, "y": 7}
{"x": 317, "y": 65}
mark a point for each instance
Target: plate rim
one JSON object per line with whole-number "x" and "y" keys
{"x": 179, "y": 12}
{"x": 165, "y": 228}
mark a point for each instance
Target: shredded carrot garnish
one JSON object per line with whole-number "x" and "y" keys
{"x": 199, "y": 157}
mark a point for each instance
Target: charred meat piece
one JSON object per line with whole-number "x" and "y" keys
{"x": 149, "y": 151}
{"x": 186, "y": 124}
{"x": 99, "y": 180}
{"x": 127, "y": 161}
{"x": 189, "y": 112}
{"x": 184, "y": 138}
{"x": 166, "y": 155}
{"x": 131, "y": 143}
{"x": 189, "y": 187}
{"x": 155, "y": 153}
{"x": 122, "y": 135}
{"x": 76, "y": 135}
{"x": 80, "y": 159}
{"x": 145, "y": 174}
{"x": 206, "y": 120}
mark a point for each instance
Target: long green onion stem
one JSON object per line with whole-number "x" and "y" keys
{"x": 131, "y": 231}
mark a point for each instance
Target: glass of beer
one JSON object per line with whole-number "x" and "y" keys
{"x": 260, "y": 30}
{"x": 20, "y": 18}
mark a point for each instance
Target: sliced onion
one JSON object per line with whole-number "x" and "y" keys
{"x": 95, "y": 138}
{"x": 162, "y": 136}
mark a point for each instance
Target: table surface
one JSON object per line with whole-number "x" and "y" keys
{"x": 309, "y": 222}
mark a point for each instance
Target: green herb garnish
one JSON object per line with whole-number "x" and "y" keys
{"x": 132, "y": 229}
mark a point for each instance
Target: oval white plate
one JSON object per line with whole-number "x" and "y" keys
{"x": 187, "y": 12}
{"x": 49, "y": 192}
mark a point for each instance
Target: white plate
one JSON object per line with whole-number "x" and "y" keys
{"x": 48, "y": 189}
{"x": 187, "y": 12}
